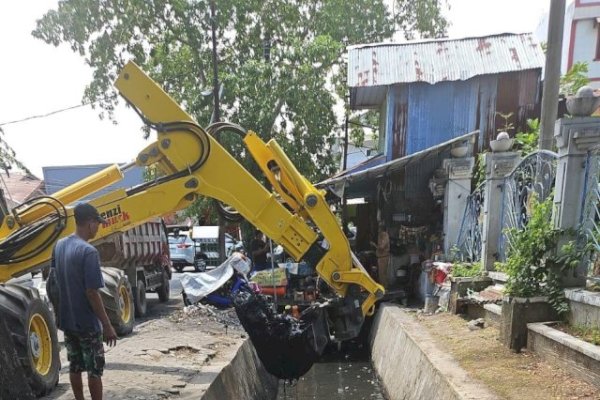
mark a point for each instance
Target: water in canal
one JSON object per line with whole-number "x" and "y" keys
{"x": 340, "y": 375}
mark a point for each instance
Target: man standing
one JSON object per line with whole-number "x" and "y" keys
{"x": 259, "y": 251}
{"x": 81, "y": 314}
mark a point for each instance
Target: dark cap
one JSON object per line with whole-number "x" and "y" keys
{"x": 85, "y": 212}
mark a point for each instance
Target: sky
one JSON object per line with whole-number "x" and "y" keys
{"x": 37, "y": 78}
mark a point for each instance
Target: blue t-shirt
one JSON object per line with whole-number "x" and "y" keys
{"x": 77, "y": 268}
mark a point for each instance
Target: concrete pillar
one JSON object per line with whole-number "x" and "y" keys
{"x": 458, "y": 188}
{"x": 497, "y": 166}
{"x": 574, "y": 137}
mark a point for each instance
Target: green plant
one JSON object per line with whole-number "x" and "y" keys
{"x": 534, "y": 266}
{"x": 507, "y": 126}
{"x": 479, "y": 173}
{"x": 467, "y": 270}
{"x": 589, "y": 334}
{"x": 574, "y": 79}
{"x": 527, "y": 142}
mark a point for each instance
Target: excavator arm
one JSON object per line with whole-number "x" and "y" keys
{"x": 191, "y": 163}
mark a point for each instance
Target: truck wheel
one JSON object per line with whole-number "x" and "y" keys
{"x": 118, "y": 300}
{"x": 141, "y": 305}
{"x": 33, "y": 331}
{"x": 164, "y": 290}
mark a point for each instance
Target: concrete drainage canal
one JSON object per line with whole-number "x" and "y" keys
{"x": 400, "y": 360}
{"x": 345, "y": 374}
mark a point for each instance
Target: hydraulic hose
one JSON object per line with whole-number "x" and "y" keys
{"x": 26, "y": 234}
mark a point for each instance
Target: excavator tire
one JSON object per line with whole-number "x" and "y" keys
{"x": 33, "y": 332}
{"x": 118, "y": 300}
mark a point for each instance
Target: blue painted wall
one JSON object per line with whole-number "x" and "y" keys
{"x": 438, "y": 113}
{"x": 57, "y": 178}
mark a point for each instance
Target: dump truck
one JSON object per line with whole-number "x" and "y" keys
{"x": 191, "y": 163}
{"x": 142, "y": 255}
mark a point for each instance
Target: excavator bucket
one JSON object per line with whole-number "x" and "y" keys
{"x": 287, "y": 346}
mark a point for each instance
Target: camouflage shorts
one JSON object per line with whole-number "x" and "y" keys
{"x": 85, "y": 352}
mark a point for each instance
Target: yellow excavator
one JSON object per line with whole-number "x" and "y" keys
{"x": 191, "y": 163}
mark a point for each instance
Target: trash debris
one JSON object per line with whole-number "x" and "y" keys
{"x": 287, "y": 346}
{"x": 226, "y": 317}
{"x": 476, "y": 324}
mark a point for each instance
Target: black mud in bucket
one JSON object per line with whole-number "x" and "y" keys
{"x": 287, "y": 347}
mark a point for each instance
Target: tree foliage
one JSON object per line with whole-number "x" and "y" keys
{"x": 8, "y": 157}
{"x": 280, "y": 61}
{"x": 421, "y": 18}
{"x": 574, "y": 79}
{"x": 282, "y": 90}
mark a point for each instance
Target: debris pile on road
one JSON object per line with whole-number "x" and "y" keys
{"x": 200, "y": 311}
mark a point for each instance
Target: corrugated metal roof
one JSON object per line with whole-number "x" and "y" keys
{"x": 20, "y": 186}
{"x": 378, "y": 171}
{"x": 442, "y": 60}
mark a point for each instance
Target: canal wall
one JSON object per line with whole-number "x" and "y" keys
{"x": 243, "y": 378}
{"x": 411, "y": 366}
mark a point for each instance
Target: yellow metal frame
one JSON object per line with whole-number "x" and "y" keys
{"x": 220, "y": 177}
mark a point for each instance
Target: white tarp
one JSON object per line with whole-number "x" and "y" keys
{"x": 197, "y": 286}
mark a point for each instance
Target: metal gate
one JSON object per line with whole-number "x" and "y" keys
{"x": 471, "y": 228}
{"x": 533, "y": 177}
{"x": 590, "y": 211}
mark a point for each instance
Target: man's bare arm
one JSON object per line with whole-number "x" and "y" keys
{"x": 110, "y": 336}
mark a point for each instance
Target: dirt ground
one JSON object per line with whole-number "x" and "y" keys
{"x": 172, "y": 354}
{"x": 509, "y": 375}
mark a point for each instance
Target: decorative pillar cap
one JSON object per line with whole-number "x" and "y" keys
{"x": 502, "y": 143}
{"x": 584, "y": 103}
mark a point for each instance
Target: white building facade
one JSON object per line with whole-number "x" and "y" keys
{"x": 581, "y": 38}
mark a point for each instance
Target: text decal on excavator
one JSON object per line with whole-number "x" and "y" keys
{"x": 114, "y": 216}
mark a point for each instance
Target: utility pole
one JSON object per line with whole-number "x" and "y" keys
{"x": 344, "y": 165}
{"x": 216, "y": 117}
{"x": 213, "y": 22}
{"x": 556, "y": 23}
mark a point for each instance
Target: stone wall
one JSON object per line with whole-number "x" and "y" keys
{"x": 410, "y": 364}
{"x": 575, "y": 356}
{"x": 584, "y": 307}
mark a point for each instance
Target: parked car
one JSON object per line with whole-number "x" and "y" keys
{"x": 183, "y": 253}
{"x": 206, "y": 239}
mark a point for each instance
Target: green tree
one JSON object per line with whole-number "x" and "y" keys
{"x": 422, "y": 18}
{"x": 8, "y": 157}
{"x": 362, "y": 127}
{"x": 574, "y": 79}
{"x": 280, "y": 61}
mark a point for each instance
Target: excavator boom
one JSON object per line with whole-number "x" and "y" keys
{"x": 192, "y": 163}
